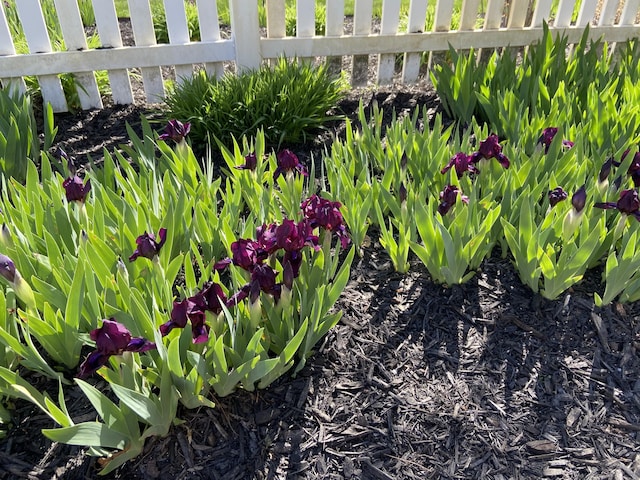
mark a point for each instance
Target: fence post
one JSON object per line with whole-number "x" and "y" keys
{"x": 245, "y": 31}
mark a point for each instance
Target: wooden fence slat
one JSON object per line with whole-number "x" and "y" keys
{"x": 629, "y": 12}
{"x": 15, "y": 84}
{"x": 334, "y": 28}
{"x": 565, "y": 11}
{"x": 469, "y": 14}
{"x": 75, "y": 39}
{"x": 541, "y": 12}
{"x": 518, "y": 13}
{"x": 416, "y": 22}
{"x": 109, "y": 32}
{"x": 389, "y": 25}
{"x": 178, "y": 33}
{"x": 144, "y": 35}
{"x": 115, "y": 58}
{"x": 493, "y": 16}
{"x": 587, "y": 12}
{"x": 608, "y": 12}
{"x": 362, "y": 14}
{"x": 210, "y": 32}
{"x": 305, "y": 18}
{"x": 35, "y": 31}
{"x": 433, "y": 41}
{"x": 246, "y": 34}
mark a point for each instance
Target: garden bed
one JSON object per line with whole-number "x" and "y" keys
{"x": 483, "y": 380}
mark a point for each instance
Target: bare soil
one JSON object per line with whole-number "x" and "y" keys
{"x": 484, "y": 380}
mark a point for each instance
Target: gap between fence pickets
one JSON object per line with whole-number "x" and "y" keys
{"x": 246, "y": 49}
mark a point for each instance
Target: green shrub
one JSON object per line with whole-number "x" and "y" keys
{"x": 19, "y": 134}
{"x": 289, "y": 102}
{"x": 160, "y": 22}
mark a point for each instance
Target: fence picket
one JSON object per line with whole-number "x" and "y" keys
{"x": 75, "y": 39}
{"x": 565, "y": 12}
{"x": 144, "y": 35}
{"x": 389, "y": 25}
{"x": 305, "y": 19}
{"x": 246, "y": 34}
{"x": 109, "y": 32}
{"x": 518, "y": 13}
{"x": 178, "y": 34}
{"x": 15, "y": 84}
{"x": 210, "y": 32}
{"x": 334, "y": 28}
{"x": 416, "y": 22}
{"x": 541, "y": 12}
{"x": 587, "y": 12}
{"x": 35, "y": 31}
{"x": 469, "y": 14}
{"x": 362, "y": 14}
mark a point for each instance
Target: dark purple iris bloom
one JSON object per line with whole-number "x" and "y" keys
{"x": 490, "y": 148}
{"x": 176, "y": 131}
{"x": 556, "y": 196}
{"x": 288, "y": 162}
{"x": 179, "y": 316}
{"x": 266, "y": 238}
{"x": 292, "y": 236}
{"x": 320, "y": 212}
{"x": 148, "y": 247}
{"x": 605, "y": 170}
{"x": 547, "y": 137}
{"x": 214, "y": 298}
{"x": 75, "y": 190}
{"x": 462, "y": 163}
{"x": 112, "y": 338}
{"x": 579, "y": 199}
{"x": 245, "y": 253}
{"x": 448, "y": 198}
{"x": 628, "y": 203}
{"x": 634, "y": 170}
{"x": 263, "y": 278}
{"x": 7, "y": 268}
{"x": 250, "y": 162}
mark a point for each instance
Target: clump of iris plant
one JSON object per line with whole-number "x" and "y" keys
{"x": 112, "y": 338}
{"x": 448, "y": 198}
{"x": 148, "y": 246}
{"x": 276, "y": 243}
{"x": 547, "y": 136}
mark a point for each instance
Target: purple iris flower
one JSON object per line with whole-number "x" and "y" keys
{"x": 462, "y": 163}
{"x": 263, "y": 278}
{"x": 547, "y": 137}
{"x": 176, "y": 131}
{"x": 579, "y": 199}
{"x": 627, "y": 204}
{"x": 112, "y": 338}
{"x": 7, "y": 268}
{"x": 288, "y": 162}
{"x": 148, "y": 247}
{"x": 245, "y": 253}
{"x": 488, "y": 149}
{"x": 75, "y": 190}
{"x": 266, "y": 237}
{"x": 324, "y": 213}
{"x": 556, "y": 196}
{"x": 250, "y": 162}
{"x": 448, "y": 198}
{"x": 605, "y": 170}
{"x": 292, "y": 236}
{"x": 634, "y": 169}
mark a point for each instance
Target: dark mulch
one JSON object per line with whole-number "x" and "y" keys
{"x": 484, "y": 380}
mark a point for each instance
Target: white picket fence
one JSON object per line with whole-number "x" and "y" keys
{"x": 503, "y": 23}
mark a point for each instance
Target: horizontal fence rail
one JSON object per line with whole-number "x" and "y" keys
{"x": 237, "y": 35}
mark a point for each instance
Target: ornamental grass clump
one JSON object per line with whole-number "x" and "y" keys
{"x": 289, "y": 101}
